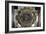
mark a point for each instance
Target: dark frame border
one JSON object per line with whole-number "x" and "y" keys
{"x": 7, "y": 16}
